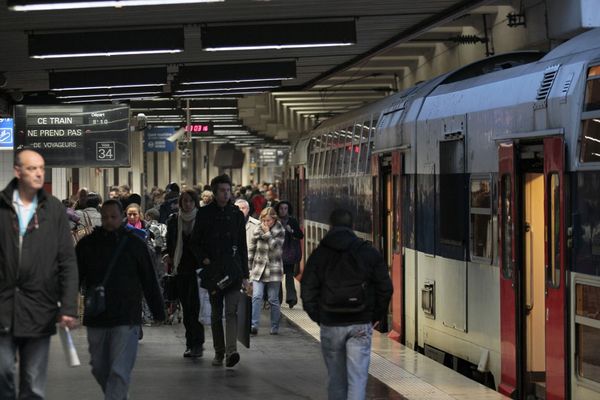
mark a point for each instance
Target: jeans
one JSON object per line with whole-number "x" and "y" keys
{"x": 187, "y": 290}
{"x": 224, "y": 345}
{"x": 33, "y": 366}
{"x": 347, "y": 353}
{"x": 258, "y": 289}
{"x": 113, "y": 352}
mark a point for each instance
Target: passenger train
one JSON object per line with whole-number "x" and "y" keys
{"x": 481, "y": 187}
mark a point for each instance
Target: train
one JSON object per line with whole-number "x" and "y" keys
{"x": 481, "y": 188}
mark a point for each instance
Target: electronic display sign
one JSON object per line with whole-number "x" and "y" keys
{"x": 6, "y": 134}
{"x": 200, "y": 129}
{"x": 75, "y": 135}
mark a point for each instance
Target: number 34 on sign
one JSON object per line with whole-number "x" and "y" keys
{"x": 105, "y": 151}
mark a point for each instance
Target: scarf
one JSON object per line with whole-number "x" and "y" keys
{"x": 188, "y": 219}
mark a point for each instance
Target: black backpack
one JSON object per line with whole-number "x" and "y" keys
{"x": 345, "y": 281}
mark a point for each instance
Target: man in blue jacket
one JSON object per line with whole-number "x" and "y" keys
{"x": 38, "y": 277}
{"x": 346, "y": 289}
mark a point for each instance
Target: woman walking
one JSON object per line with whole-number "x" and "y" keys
{"x": 292, "y": 249}
{"x": 266, "y": 267}
{"x": 179, "y": 248}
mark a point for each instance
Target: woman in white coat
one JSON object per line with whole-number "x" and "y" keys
{"x": 266, "y": 267}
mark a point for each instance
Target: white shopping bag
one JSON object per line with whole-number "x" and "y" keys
{"x": 205, "y": 310}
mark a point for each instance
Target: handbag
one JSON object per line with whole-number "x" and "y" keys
{"x": 292, "y": 253}
{"x": 95, "y": 296}
{"x": 82, "y": 229}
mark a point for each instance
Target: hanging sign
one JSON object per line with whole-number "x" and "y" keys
{"x": 75, "y": 136}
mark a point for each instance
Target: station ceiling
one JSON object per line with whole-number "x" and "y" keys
{"x": 390, "y": 36}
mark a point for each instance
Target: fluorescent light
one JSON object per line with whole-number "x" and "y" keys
{"x": 236, "y": 81}
{"x": 227, "y": 89}
{"x": 277, "y": 47}
{"x": 106, "y": 87}
{"x": 217, "y": 94}
{"x": 236, "y": 73}
{"x": 35, "y": 6}
{"x": 280, "y": 35}
{"x": 108, "y": 54}
{"x": 593, "y": 139}
{"x": 105, "y": 43}
{"x": 108, "y": 95}
{"x": 99, "y": 100}
{"x": 108, "y": 79}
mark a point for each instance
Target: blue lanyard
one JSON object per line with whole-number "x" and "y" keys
{"x": 24, "y": 222}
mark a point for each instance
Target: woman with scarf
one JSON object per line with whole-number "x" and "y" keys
{"x": 266, "y": 268}
{"x": 181, "y": 257}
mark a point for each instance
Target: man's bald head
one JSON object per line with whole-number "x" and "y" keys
{"x": 29, "y": 169}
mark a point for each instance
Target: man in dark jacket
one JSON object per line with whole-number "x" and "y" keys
{"x": 346, "y": 329}
{"x": 220, "y": 240}
{"x": 38, "y": 277}
{"x": 113, "y": 334}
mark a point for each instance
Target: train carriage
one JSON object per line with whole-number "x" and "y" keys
{"x": 481, "y": 188}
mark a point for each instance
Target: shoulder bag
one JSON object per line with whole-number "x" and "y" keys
{"x": 95, "y": 296}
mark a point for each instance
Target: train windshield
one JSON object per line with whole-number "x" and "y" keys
{"x": 590, "y": 134}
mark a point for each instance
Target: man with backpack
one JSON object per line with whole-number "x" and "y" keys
{"x": 346, "y": 289}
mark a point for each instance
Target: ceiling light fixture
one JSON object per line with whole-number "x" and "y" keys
{"x": 236, "y": 73}
{"x": 45, "y": 5}
{"x": 106, "y": 43}
{"x": 108, "y": 79}
{"x": 283, "y": 35}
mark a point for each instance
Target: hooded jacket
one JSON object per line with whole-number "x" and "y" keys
{"x": 379, "y": 285}
{"x": 132, "y": 275}
{"x": 43, "y": 285}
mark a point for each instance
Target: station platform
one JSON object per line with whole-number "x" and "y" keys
{"x": 286, "y": 366}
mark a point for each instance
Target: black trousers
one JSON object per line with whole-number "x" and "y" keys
{"x": 187, "y": 291}
{"x": 290, "y": 289}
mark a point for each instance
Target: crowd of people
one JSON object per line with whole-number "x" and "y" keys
{"x": 209, "y": 241}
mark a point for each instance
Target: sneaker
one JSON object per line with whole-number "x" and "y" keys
{"x": 274, "y": 331}
{"x": 232, "y": 359}
{"x": 218, "y": 360}
{"x": 187, "y": 353}
{"x": 254, "y": 330}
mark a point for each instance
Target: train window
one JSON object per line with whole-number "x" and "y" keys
{"x": 481, "y": 219}
{"x": 590, "y": 140}
{"x": 553, "y": 270}
{"x": 352, "y": 148}
{"x": 452, "y": 197}
{"x": 364, "y": 147}
{"x": 507, "y": 233}
{"x": 592, "y": 90}
{"x": 348, "y": 149}
{"x": 333, "y": 170}
{"x": 587, "y": 312}
{"x": 371, "y": 144}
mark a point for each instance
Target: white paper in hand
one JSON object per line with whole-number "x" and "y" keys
{"x": 68, "y": 347}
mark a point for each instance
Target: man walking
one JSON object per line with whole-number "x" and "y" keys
{"x": 39, "y": 277}
{"x": 346, "y": 289}
{"x": 115, "y": 258}
{"x": 220, "y": 240}
{"x": 251, "y": 222}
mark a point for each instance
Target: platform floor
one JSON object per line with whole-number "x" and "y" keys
{"x": 287, "y": 366}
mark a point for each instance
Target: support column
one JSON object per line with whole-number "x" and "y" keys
{"x": 163, "y": 169}
{"x": 59, "y": 183}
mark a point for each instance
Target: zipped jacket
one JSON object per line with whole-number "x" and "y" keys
{"x": 43, "y": 285}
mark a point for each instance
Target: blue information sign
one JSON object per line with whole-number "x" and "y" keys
{"x": 6, "y": 134}
{"x": 155, "y": 139}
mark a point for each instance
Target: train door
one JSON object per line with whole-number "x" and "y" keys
{"x": 397, "y": 264}
{"x": 387, "y": 197}
{"x": 531, "y": 220}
